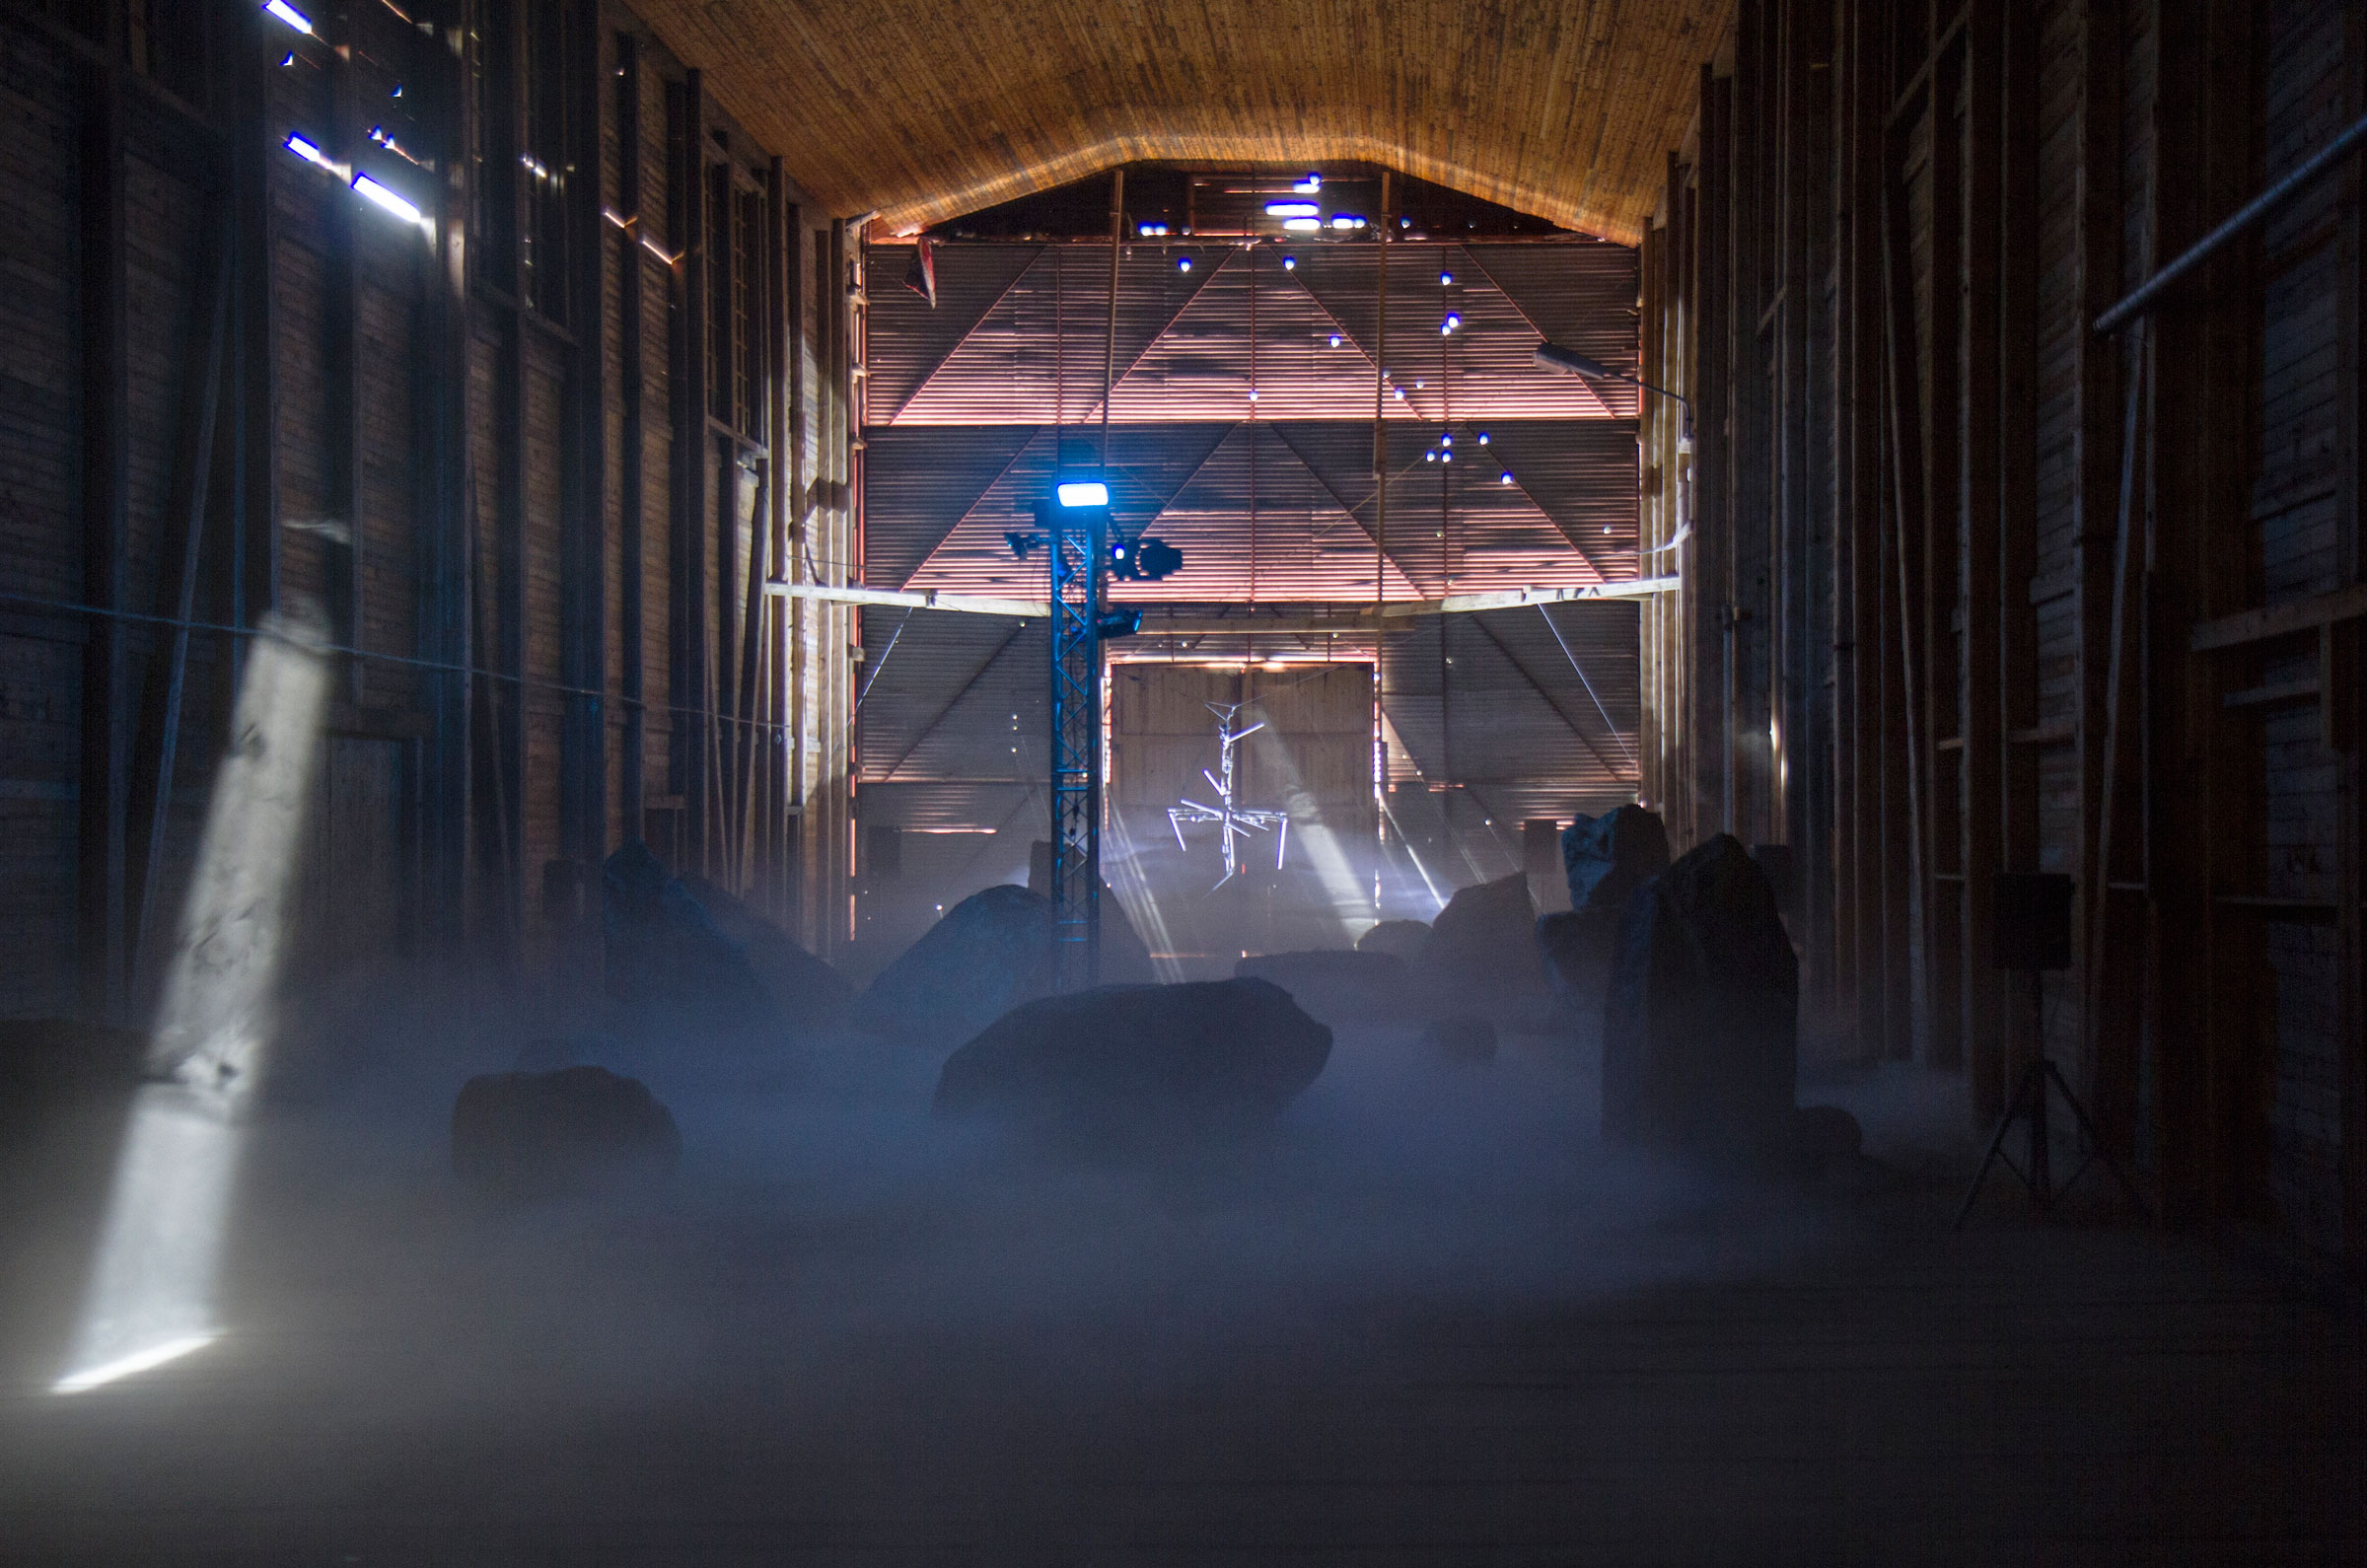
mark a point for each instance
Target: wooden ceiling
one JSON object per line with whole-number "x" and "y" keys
{"x": 923, "y": 110}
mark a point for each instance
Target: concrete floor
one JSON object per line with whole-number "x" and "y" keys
{"x": 1428, "y": 1321}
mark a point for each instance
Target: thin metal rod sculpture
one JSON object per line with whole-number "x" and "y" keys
{"x": 1232, "y": 822}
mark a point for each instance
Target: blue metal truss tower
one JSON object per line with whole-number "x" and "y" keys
{"x": 1077, "y": 540}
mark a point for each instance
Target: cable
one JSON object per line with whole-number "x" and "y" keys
{"x": 69, "y": 607}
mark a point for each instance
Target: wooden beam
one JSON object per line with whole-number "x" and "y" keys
{"x": 157, "y": 747}
{"x": 584, "y": 466}
{"x": 106, "y": 539}
{"x": 632, "y": 264}
{"x": 1907, "y": 718}
{"x": 686, "y": 602}
{"x": 2284, "y": 619}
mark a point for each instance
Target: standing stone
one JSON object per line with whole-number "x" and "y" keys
{"x": 810, "y": 994}
{"x": 1606, "y": 859}
{"x": 1700, "y": 1046}
{"x": 984, "y": 957}
{"x": 670, "y": 968}
{"x": 1484, "y": 940}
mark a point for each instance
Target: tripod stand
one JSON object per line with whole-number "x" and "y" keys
{"x": 2028, "y": 1102}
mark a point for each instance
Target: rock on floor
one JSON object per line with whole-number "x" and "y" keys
{"x": 1335, "y": 984}
{"x": 522, "y": 1135}
{"x": 984, "y": 957}
{"x": 1123, "y": 1059}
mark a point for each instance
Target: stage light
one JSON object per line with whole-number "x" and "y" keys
{"x": 1022, "y": 544}
{"x": 1301, "y": 225}
{"x": 1123, "y": 622}
{"x": 290, "y": 15}
{"x": 1291, "y": 209}
{"x": 1346, "y": 220}
{"x": 1082, "y": 492}
{"x": 366, "y": 186}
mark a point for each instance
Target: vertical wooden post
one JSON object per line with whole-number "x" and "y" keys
{"x": 2017, "y": 510}
{"x": 1713, "y": 529}
{"x": 631, "y": 437}
{"x": 1986, "y": 325}
{"x": 105, "y": 526}
{"x": 341, "y": 371}
{"x": 692, "y": 448}
{"x": 583, "y": 466}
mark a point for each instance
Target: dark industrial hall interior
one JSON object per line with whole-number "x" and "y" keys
{"x": 1465, "y": 782}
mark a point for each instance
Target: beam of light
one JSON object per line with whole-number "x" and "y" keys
{"x": 144, "y": 1361}
{"x": 1132, "y": 890}
{"x": 1344, "y": 896}
{"x": 151, "y": 1292}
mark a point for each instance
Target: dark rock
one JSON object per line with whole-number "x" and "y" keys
{"x": 1577, "y": 945}
{"x": 1463, "y": 1038}
{"x": 1701, "y": 1046}
{"x": 1400, "y": 938}
{"x": 1782, "y": 869}
{"x": 670, "y": 968}
{"x": 1607, "y": 857}
{"x": 1193, "y": 1058}
{"x": 1335, "y": 984}
{"x": 1821, "y": 1134}
{"x": 1486, "y": 937}
{"x": 807, "y": 992}
{"x": 984, "y": 957}
{"x": 519, "y": 1135}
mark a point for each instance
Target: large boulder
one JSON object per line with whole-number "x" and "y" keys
{"x": 672, "y": 969}
{"x": 1483, "y": 941}
{"x": 1577, "y": 945}
{"x": 1132, "y": 1059}
{"x": 523, "y": 1135}
{"x": 1401, "y": 939}
{"x": 1701, "y": 1046}
{"x": 1335, "y": 984}
{"x": 807, "y": 992}
{"x": 1607, "y": 857}
{"x": 984, "y": 957}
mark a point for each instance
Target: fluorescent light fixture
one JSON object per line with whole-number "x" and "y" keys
{"x": 1150, "y": 230}
{"x": 312, "y": 155}
{"x": 1082, "y": 492}
{"x": 290, "y": 15}
{"x": 1346, "y": 220}
{"x": 1309, "y": 185}
{"x": 1301, "y": 225}
{"x": 378, "y": 194}
{"x": 140, "y": 1361}
{"x": 1291, "y": 209}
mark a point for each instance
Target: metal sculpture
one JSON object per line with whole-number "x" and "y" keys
{"x": 1232, "y": 822}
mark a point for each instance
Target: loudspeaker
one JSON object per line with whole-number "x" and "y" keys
{"x": 2031, "y": 925}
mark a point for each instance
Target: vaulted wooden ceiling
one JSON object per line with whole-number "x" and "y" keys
{"x": 926, "y": 108}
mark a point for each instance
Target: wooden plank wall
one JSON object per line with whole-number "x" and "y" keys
{"x": 1970, "y": 587}
{"x": 234, "y": 386}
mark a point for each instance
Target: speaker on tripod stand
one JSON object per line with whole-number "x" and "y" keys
{"x": 2031, "y": 935}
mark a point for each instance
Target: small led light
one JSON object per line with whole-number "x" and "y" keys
{"x": 1335, "y": 339}
{"x": 1429, "y": 457}
{"x": 1290, "y": 263}
{"x": 1183, "y": 263}
{"x": 1446, "y": 437}
{"x": 364, "y": 186}
{"x": 1291, "y": 209}
{"x": 1445, "y": 457}
{"x": 1253, "y": 394}
{"x": 1504, "y": 479}
{"x": 1483, "y": 438}
{"x": 1453, "y": 320}
{"x": 1400, "y": 391}
{"x": 290, "y": 15}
